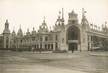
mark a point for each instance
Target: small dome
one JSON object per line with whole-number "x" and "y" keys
{"x": 20, "y": 33}
{"x": 13, "y": 33}
{"x": 43, "y": 27}
{"x": 6, "y": 30}
{"x": 27, "y": 33}
{"x": 33, "y": 32}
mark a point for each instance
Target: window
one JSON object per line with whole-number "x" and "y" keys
{"x": 52, "y": 46}
{"x": 41, "y": 46}
{"x": 41, "y": 39}
{"x": 56, "y": 45}
{"x": 21, "y": 41}
{"x": 37, "y": 46}
{"x": 56, "y": 37}
{"x": 33, "y": 38}
{"x": 48, "y": 46}
{"x": 45, "y": 46}
{"x": 62, "y": 40}
{"x": 73, "y": 21}
{"x": 46, "y": 38}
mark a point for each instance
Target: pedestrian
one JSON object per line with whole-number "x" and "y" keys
{"x": 72, "y": 50}
{"x": 33, "y": 49}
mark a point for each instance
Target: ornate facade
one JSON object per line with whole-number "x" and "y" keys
{"x": 73, "y": 35}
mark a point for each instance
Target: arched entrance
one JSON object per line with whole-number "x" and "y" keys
{"x": 73, "y": 37}
{"x": 7, "y": 42}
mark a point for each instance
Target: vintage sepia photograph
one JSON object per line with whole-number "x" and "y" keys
{"x": 53, "y": 36}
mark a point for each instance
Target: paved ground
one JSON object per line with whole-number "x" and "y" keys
{"x": 77, "y": 62}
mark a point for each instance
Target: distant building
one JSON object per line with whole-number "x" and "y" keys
{"x": 73, "y": 35}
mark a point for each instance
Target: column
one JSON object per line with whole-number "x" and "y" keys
{"x": 90, "y": 43}
{"x": 54, "y": 47}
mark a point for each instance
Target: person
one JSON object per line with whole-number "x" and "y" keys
{"x": 40, "y": 50}
{"x": 72, "y": 50}
{"x": 33, "y": 49}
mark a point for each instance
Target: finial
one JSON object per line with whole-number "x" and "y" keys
{"x": 6, "y": 20}
{"x": 59, "y": 14}
{"x": 62, "y": 13}
{"x": 33, "y": 28}
{"x": 44, "y": 19}
{"x": 73, "y": 11}
{"x": 105, "y": 24}
{"x": 83, "y": 12}
{"x": 13, "y": 29}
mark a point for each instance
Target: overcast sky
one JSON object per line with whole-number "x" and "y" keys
{"x": 30, "y": 13}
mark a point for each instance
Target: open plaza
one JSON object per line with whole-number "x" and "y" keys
{"x": 45, "y": 62}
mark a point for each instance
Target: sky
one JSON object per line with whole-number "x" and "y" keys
{"x": 30, "y": 13}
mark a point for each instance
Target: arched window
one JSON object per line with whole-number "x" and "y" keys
{"x": 56, "y": 38}
{"x": 46, "y": 38}
{"x": 7, "y": 41}
{"x": 52, "y": 46}
{"x": 73, "y": 33}
{"x": 45, "y": 46}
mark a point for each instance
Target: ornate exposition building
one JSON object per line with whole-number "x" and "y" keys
{"x": 73, "y": 35}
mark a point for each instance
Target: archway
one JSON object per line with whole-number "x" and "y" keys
{"x": 73, "y": 37}
{"x": 7, "y": 42}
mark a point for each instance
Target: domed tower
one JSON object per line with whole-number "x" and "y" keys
{"x": 6, "y": 35}
{"x": 73, "y": 18}
{"x": 19, "y": 37}
{"x": 43, "y": 28}
{"x": 27, "y": 33}
{"x": 13, "y": 34}
{"x": 84, "y": 35}
{"x": 33, "y": 31}
{"x": 13, "y": 38}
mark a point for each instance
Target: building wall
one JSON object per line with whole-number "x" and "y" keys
{"x": 1, "y": 41}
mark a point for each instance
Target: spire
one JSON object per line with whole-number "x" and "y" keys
{"x": 44, "y": 23}
{"x": 13, "y": 33}
{"x": 14, "y": 29}
{"x": 28, "y": 33}
{"x": 59, "y": 18}
{"x": 59, "y": 15}
{"x": 44, "y": 19}
{"x": 62, "y": 13}
{"x": 20, "y": 32}
{"x": 6, "y": 24}
{"x": 6, "y": 30}
{"x": 33, "y": 29}
{"x": 83, "y": 13}
{"x": 62, "y": 16}
{"x": 6, "y": 20}
{"x": 84, "y": 20}
{"x": 105, "y": 24}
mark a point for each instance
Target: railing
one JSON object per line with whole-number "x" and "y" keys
{"x": 72, "y": 41}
